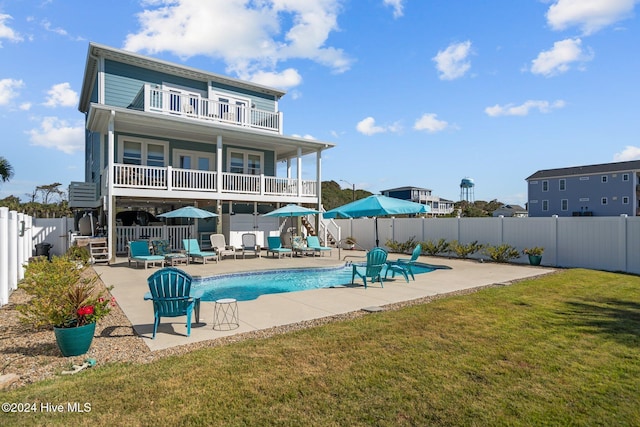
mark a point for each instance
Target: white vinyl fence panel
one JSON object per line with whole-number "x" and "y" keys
{"x": 601, "y": 243}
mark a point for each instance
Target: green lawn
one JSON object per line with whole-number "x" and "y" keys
{"x": 563, "y": 349}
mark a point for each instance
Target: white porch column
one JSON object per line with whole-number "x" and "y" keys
{"x": 219, "y": 164}
{"x": 289, "y": 167}
{"x": 299, "y": 171}
{"x": 110, "y": 202}
{"x": 319, "y": 191}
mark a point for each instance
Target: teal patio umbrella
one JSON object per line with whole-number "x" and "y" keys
{"x": 188, "y": 212}
{"x": 291, "y": 210}
{"x": 375, "y": 206}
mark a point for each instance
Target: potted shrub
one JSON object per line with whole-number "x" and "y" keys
{"x": 534, "y": 253}
{"x": 64, "y": 297}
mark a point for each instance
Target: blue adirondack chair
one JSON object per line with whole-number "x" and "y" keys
{"x": 376, "y": 260}
{"x": 170, "y": 291}
{"x": 313, "y": 242}
{"x": 139, "y": 252}
{"x": 275, "y": 247}
{"x": 404, "y": 265}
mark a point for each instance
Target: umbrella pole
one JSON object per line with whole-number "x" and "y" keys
{"x": 377, "y": 240}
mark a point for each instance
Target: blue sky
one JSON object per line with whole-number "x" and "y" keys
{"x": 412, "y": 92}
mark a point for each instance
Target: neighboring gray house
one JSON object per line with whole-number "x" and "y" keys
{"x": 511, "y": 211}
{"x": 422, "y": 195}
{"x": 608, "y": 189}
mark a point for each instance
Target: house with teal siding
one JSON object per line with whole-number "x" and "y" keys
{"x": 161, "y": 135}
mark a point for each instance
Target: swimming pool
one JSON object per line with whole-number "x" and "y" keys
{"x": 250, "y": 285}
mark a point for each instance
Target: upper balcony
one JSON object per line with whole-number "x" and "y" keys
{"x": 189, "y": 105}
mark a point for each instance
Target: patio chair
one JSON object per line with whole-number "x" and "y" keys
{"x": 376, "y": 260}
{"x": 275, "y": 247}
{"x": 193, "y": 251}
{"x": 139, "y": 252}
{"x": 170, "y": 292}
{"x": 298, "y": 244}
{"x": 249, "y": 244}
{"x": 313, "y": 242}
{"x": 219, "y": 244}
{"x": 403, "y": 265}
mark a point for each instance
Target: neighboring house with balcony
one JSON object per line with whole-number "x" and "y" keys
{"x": 608, "y": 189}
{"x": 161, "y": 135}
{"x": 422, "y": 195}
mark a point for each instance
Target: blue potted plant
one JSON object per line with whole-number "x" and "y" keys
{"x": 534, "y": 253}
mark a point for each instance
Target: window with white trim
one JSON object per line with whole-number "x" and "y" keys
{"x": 197, "y": 160}
{"x": 545, "y": 205}
{"x": 625, "y": 200}
{"x": 545, "y": 185}
{"x": 625, "y": 177}
{"x": 247, "y": 162}
{"x": 562, "y": 184}
{"x": 604, "y": 179}
{"x": 604, "y": 201}
{"x": 564, "y": 204}
{"x": 138, "y": 151}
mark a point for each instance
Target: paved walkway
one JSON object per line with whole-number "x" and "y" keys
{"x": 130, "y": 284}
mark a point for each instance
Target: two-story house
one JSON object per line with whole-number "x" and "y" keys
{"x": 160, "y": 135}
{"x": 422, "y": 195}
{"x": 608, "y": 189}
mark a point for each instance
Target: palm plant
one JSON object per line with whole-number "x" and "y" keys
{"x": 6, "y": 170}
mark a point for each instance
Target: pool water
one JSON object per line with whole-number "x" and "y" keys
{"x": 250, "y": 285}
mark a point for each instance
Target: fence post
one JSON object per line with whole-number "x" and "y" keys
{"x": 4, "y": 256}
{"x": 19, "y": 248}
{"x": 12, "y": 236}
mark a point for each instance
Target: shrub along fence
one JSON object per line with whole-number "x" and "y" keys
{"x": 601, "y": 243}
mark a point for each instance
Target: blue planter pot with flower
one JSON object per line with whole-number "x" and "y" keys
{"x": 75, "y": 341}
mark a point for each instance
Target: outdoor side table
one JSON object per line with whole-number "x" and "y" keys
{"x": 176, "y": 258}
{"x": 225, "y": 314}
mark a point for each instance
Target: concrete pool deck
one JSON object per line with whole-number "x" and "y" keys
{"x": 130, "y": 284}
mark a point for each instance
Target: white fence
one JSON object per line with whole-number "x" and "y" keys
{"x": 15, "y": 250}
{"x": 601, "y": 243}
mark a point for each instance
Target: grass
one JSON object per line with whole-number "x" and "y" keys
{"x": 563, "y": 349}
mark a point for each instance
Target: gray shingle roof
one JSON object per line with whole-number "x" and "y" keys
{"x": 588, "y": 169}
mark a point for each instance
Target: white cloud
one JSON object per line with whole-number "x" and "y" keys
{"x": 9, "y": 90}
{"x": 452, "y": 62}
{"x": 283, "y": 80}
{"x": 271, "y": 31}
{"x": 58, "y": 134}
{"x": 397, "y": 7}
{"x": 629, "y": 153}
{"x": 61, "y": 95}
{"x": 589, "y": 15}
{"x": 523, "y": 109}
{"x": 558, "y": 59}
{"x": 6, "y": 32}
{"x": 430, "y": 123}
{"x": 368, "y": 127}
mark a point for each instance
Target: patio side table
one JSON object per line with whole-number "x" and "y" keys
{"x": 225, "y": 314}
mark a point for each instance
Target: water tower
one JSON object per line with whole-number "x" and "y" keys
{"x": 466, "y": 190}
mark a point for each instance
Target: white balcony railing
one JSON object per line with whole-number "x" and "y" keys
{"x": 173, "y": 179}
{"x": 194, "y": 106}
